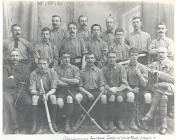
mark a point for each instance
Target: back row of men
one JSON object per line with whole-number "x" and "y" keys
{"x": 79, "y": 41}
{"x": 118, "y": 83}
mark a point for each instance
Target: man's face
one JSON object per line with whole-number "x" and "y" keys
{"x": 112, "y": 58}
{"x": 90, "y": 59}
{"x": 83, "y": 22}
{"x": 96, "y": 31}
{"x": 43, "y": 65}
{"x": 162, "y": 53}
{"x": 134, "y": 56}
{"x": 56, "y": 22}
{"x": 14, "y": 57}
{"x": 119, "y": 37}
{"x": 16, "y": 31}
{"x": 137, "y": 24}
{"x": 72, "y": 30}
{"x": 162, "y": 29}
{"x": 66, "y": 59}
{"x": 46, "y": 36}
{"x": 110, "y": 24}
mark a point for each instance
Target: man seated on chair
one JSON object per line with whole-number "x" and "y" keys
{"x": 49, "y": 78}
{"x": 68, "y": 79}
{"x": 91, "y": 84}
{"x": 163, "y": 89}
{"x": 137, "y": 76}
{"x": 15, "y": 93}
{"x": 116, "y": 84}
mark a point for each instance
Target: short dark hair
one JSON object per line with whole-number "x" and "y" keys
{"x": 119, "y": 30}
{"x": 74, "y": 23}
{"x": 133, "y": 50}
{"x": 111, "y": 51}
{"x": 137, "y": 17}
{"x": 81, "y": 16}
{"x": 94, "y": 26}
{"x": 90, "y": 53}
{"x": 57, "y": 16}
{"x": 46, "y": 29}
{"x": 161, "y": 23}
{"x": 64, "y": 52}
{"x": 18, "y": 25}
{"x": 44, "y": 58}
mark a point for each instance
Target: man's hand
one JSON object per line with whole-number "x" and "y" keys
{"x": 11, "y": 77}
{"x": 90, "y": 96}
{"x": 114, "y": 89}
{"x": 162, "y": 86}
{"x": 136, "y": 90}
{"x": 61, "y": 83}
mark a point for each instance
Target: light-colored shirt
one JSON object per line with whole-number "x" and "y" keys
{"x": 140, "y": 40}
{"x": 57, "y": 36}
{"x": 49, "y": 80}
{"x": 96, "y": 46}
{"x": 91, "y": 78}
{"x": 47, "y": 50}
{"x": 121, "y": 50}
{"x": 115, "y": 76}
{"x": 24, "y": 47}
{"x": 75, "y": 46}
{"x": 108, "y": 37}
{"x": 132, "y": 78}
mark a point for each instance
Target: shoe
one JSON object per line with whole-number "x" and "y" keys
{"x": 16, "y": 131}
{"x": 144, "y": 125}
{"x": 146, "y": 119}
{"x": 55, "y": 126}
{"x": 171, "y": 115}
{"x": 163, "y": 131}
{"x": 104, "y": 125}
{"x": 67, "y": 127}
{"x": 121, "y": 125}
{"x": 111, "y": 125}
{"x": 133, "y": 126}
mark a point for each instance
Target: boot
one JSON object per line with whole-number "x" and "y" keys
{"x": 34, "y": 119}
{"x": 103, "y": 116}
{"x": 133, "y": 125}
{"x": 53, "y": 116}
{"x": 67, "y": 126}
{"x": 121, "y": 125}
{"x": 131, "y": 113}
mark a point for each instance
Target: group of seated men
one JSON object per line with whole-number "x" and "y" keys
{"x": 87, "y": 64}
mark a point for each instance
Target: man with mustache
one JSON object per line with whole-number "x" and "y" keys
{"x": 108, "y": 35}
{"x": 46, "y": 49}
{"x": 139, "y": 39}
{"x": 163, "y": 90}
{"x": 57, "y": 33}
{"x": 15, "y": 75}
{"x": 68, "y": 78}
{"x": 162, "y": 40}
{"x": 95, "y": 44}
{"x": 49, "y": 78}
{"x": 16, "y": 41}
{"x": 75, "y": 46}
{"x": 83, "y": 31}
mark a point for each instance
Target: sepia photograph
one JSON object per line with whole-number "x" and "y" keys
{"x": 88, "y": 67}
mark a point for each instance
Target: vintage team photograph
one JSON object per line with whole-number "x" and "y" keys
{"x": 88, "y": 67}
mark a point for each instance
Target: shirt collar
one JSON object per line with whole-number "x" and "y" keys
{"x": 164, "y": 62}
{"x": 97, "y": 38}
{"x": 70, "y": 37}
{"x": 56, "y": 30}
{"x": 42, "y": 73}
{"x": 112, "y": 67}
{"x": 163, "y": 38}
{"x": 90, "y": 68}
{"x": 47, "y": 43}
{"x": 81, "y": 29}
{"x": 139, "y": 31}
{"x": 133, "y": 64}
{"x": 110, "y": 31}
{"x": 66, "y": 66}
